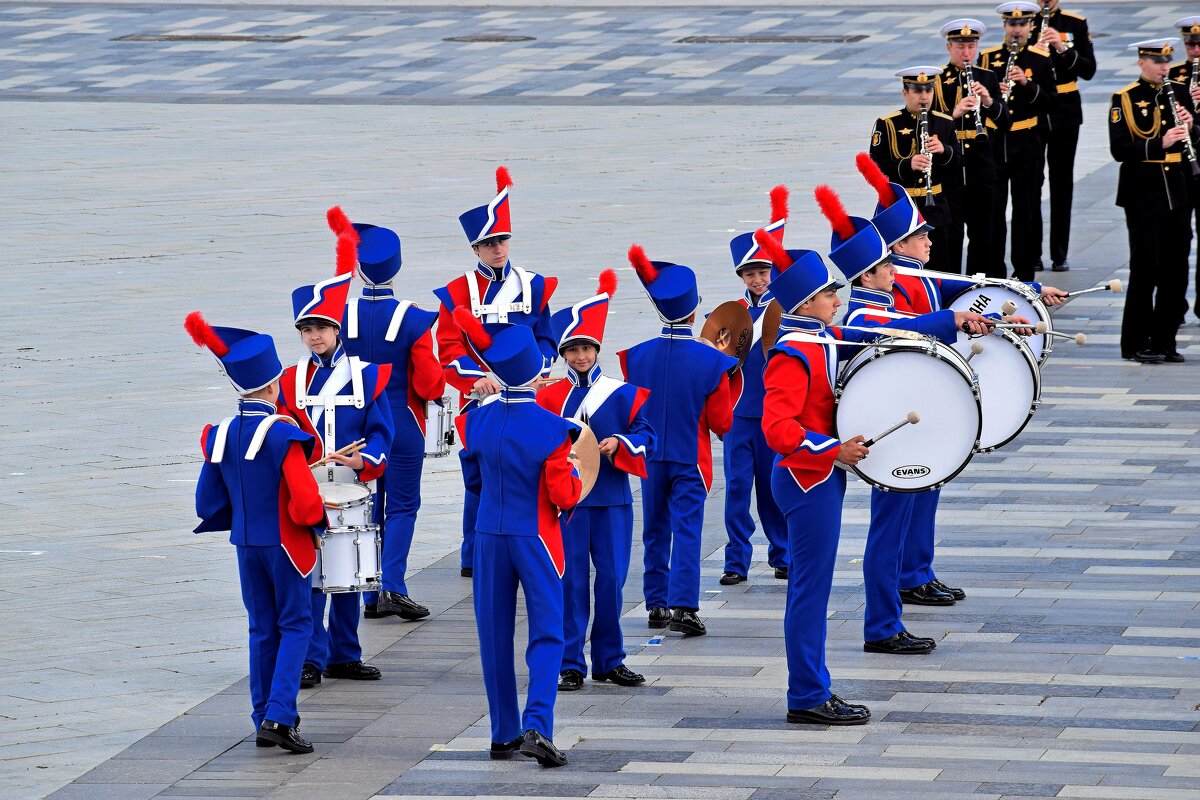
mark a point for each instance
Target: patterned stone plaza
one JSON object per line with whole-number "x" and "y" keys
{"x": 146, "y": 179}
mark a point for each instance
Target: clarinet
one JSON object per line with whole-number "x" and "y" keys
{"x": 1189, "y": 149}
{"x": 968, "y": 77}
{"x": 1045, "y": 19}
{"x": 1013, "y": 47}
{"x": 923, "y": 134}
{"x": 1194, "y": 81}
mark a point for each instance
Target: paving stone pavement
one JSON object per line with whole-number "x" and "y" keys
{"x": 785, "y": 54}
{"x": 1070, "y": 671}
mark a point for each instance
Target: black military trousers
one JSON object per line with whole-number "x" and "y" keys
{"x": 1025, "y": 181}
{"x": 941, "y": 251}
{"x": 1061, "y": 143}
{"x": 1159, "y": 245}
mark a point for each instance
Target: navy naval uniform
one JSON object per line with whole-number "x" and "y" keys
{"x": 1182, "y": 75}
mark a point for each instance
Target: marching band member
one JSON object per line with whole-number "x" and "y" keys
{"x": 924, "y": 168}
{"x": 975, "y": 107}
{"x": 339, "y": 399}
{"x": 689, "y": 401}
{"x": 1069, "y": 44}
{"x": 517, "y": 458}
{"x": 798, "y": 422}
{"x": 1153, "y": 190}
{"x": 1188, "y": 75}
{"x": 1019, "y": 148}
{"x": 255, "y": 484}
{"x": 748, "y": 460}
{"x": 600, "y": 531}
{"x": 495, "y": 291}
{"x": 382, "y": 330}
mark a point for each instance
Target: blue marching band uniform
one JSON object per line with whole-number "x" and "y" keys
{"x": 372, "y": 370}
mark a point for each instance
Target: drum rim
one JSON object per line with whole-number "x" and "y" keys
{"x": 937, "y": 351}
{"x": 1035, "y": 370}
{"x": 1034, "y": 299}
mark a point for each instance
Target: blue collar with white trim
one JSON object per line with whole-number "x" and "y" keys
{"x": 380, "y": 292}
{"x": 517, "y": 394}
{"x": 584, "y": 379}
{"x": 798, "y": 322}
{"x": 491, "y": 273}
{"x": 255, "y": 407}
{"x": 873, "y": 297}
{"x": 905, "y": 261}
{"x": 761, "y": 300}
{"x": 332, "y": 360}
{"x": 676, "y": 330}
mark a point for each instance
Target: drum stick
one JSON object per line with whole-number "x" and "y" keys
{"x": 348, "y": 450}
{"x": 912, "y": 418}
{"x": 1113, "y": 286}
{"x": 838, "y": 342}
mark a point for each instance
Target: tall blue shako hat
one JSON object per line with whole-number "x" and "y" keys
{"x": 484, "y": 222}
{"x": 896, "y": 215}
{"x": 583, "y": 323}
{"x": 856, "y": 245}
{"x": 378, "y": 247}
{"x": 509, "y": 350}
{"x": 247, "y": 358}
{"x": 671, "y": 287}
{"x": 745, "y": 250}
{"x": 796, "y": 275}
{"x": 326, "y": 301}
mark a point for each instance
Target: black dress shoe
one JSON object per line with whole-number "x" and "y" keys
{"x": 900, "y": 644}
{"x": 1173, "y": 358}
{"x": 658, "y": 617}
{"x": 466, "y": 572}
{"x": 287, "y": 737}
{"x": 371, "y": 611}
{"x": 621, "y": 675}
{"x": 354, "y": 671}
{"x": 400, "y": 605}
{"x": 503, "y": 751}
{"x": 953, "y": 591}
{"x": 926, "y": 595}
{"x": 687, "y": 622}
{"x": 731, "y": 578}
{"x": 1063, "y": 267}
{"x": 781, "y": 573}
{"x": 570, "y": 680}
{"x": 534, "y": 745}
{"x": 931, "y": 641}
{"x": 259, "y": 741}
{"x": 1039, "y": 266}
{"x": 310, "y": 676}
{"x": 833, "y": 711}
{"x": 1146, "y": 357}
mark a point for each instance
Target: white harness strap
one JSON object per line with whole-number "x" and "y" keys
{"x": 260, "y": 434}
{"x": 397, "y": 320}
{"x": 519, "y": 283}
{"x": 758, "y": 326}
{"x": 352, "y": 319}
{"x": 326, "y": 402}
{"x": 599, "y": 391}
{"x": 219, "y": 443}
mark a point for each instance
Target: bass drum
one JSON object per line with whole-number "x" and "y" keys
{"x": 882, "y": 384}
{"x": 986, "y": 298}
{"x": 1010, "y": 385}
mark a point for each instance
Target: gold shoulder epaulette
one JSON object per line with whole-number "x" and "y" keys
{"x": 1126, "y": 88}
{"x": 991, "y": 50}
{"x": 1072, "y": 16}
{"x": 889, "y": 116}
{"x": 1041, "y": 51}
{"x": 943, "y": 116}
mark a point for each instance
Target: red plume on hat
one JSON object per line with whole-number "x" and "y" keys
{"x": 774, "y": 250}
{"x": 608, "y": 283}
{"x": 203, "y": 334}
{"x": 339, "y": 223}
{"x": 646, "y": 271}
{"x": 472, "y": 328}
{"x": 347, "y": 255}
{"x": 779, "y": 203}
{"x": 879, "y": 182}
{"x": 834, "y": 211}
{"x": 503, "y": 179}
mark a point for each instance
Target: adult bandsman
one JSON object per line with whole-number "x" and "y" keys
{"x": 380, "y": 329}
{"x": 339, "y": 399}
{"x": 1153, "y": 188}
{"x": 1188, "y": 74}
{"x": 495, "y": 291}
{"x": 1028, "y": 88}
{"x": 1072, "y": 59}
{"x": 748, "y": 460}
{"x": 972, "y": 98}
{"x": 926, "y": 166}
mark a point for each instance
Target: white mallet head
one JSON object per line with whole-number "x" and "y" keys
{"x": 1114, "y": 286}
{"x": 976, "y": 348}
{"x": 1040, "y": 327}
{"x": 1080, "y": 338}
{"x": 913, "y": 418}
{"x": 1009, "y": 307}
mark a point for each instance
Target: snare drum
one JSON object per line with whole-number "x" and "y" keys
{"x": 349, "y": 560}
{"x": 1010, "y": 385}
{"x": 986, "y": 298}
{"x": 878, "y": 388}
{"x": 347, "y": 504}
{"x": 439, "y": 427}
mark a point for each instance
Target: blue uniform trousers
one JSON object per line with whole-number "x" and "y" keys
{"x": 672, "y": 520}
{"x": 749, "y": 463}
{"x": 339, "y": 643}
{"x": 916, "y": 567}
{"x": 891, "y": 515}
{"x": 814, "y": 520}
{"x": 466, "y": 554}
{"x": 399, "y": 494}
{"x": 277, "y": 604}
{"x": 502, "y": 562}
{"x": 600, "y": 535}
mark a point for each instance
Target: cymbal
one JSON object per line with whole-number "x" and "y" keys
{"x": 587, "y": 449}
{"x": 730, "y": 329}
{"x": 770, "y": 327}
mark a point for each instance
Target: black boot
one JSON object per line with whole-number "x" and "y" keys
{"x": 394, "y": 604}
{"x": 687, "y": 622}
